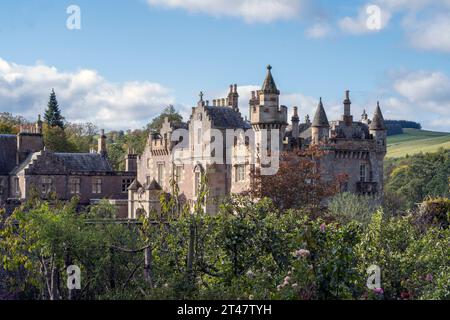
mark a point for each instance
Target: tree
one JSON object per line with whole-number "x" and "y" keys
{"x": 298, "y": 182}
{"x": 168, "y": 112}
{"x": 53, "y": 115}
{"x": 56, "y": 140}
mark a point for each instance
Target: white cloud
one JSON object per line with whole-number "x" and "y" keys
{"x": 430, "y": 34}
{"x": 318, "y": 31}
{"x": 83, "y": 95}
{"x": 249, "y": 10}
{"x": 422, "y": 96}
{"x": 426, "y": 23}
{"x": 361, "y": 24}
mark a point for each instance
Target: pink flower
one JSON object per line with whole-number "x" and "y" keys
{"x": 429, "y": 277}
{"x": 287, "y": 279}
{"x": 302, "y": 253}
{"x": 294, "y": 285}
{"x": 322, "y": 227}
{"x": 404, "y": 295}
{"x": 378, "y": 290}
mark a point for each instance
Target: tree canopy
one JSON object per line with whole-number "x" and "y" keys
{"x": 53, "y": 115}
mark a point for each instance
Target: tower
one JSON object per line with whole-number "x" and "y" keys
{"x": 378, "y": 130}
{"x": 320, "y": 127}
{"x": 347, "y": 118}
{"x": 266, "y": 112}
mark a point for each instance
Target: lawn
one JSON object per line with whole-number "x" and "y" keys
{"x": 414, "y": 141}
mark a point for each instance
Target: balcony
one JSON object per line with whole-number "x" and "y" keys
{"x": 367, "y": 187}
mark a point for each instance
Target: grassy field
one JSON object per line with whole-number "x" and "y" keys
{"x": 415, "y": 141}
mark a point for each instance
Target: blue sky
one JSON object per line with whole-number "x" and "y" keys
{"x": 132, "y": 57}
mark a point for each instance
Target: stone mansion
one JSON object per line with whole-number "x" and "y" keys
{"x": 354, "y": 148}
{"x": 26, "y": 167}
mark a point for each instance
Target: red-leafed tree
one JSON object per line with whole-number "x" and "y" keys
{"x": 298, "y": 182}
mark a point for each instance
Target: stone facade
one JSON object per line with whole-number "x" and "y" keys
{"x": 353, "y": 148}
{"x": 27, "y": 167}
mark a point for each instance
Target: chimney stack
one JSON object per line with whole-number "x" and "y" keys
{"x": 102, "y": 143}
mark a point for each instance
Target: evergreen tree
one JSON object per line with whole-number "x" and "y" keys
{"x": 53, "y": 115}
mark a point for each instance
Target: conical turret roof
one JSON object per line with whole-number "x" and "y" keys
{"x": 269, "y": 85}
{"x": 378, "y": 120}
{"x": 320, "y": 118}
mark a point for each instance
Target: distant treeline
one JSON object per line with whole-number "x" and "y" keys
{"x": 396, "y": 126}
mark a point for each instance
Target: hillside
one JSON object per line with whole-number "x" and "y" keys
{"x": 414, "y": 141}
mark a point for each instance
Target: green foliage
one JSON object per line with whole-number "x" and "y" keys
{"x": 346, "y": 207}
{"x": 168, "y": 112}
{"x": 53, "y": 115}
{"x": 9, "y": 123}
{"x": 415, "y": 178}
{"x": 249, "y": 250}
{"x": 56, "y": 140}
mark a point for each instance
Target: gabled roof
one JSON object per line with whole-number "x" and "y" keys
{"x": 8, "y": 148}
{"x": 84, "y": 162}
{"x": 225, "y": 117}
{"x": 153, "y": 186}
{"x": 135, "y": 186}
{"x": 320, "y": 118}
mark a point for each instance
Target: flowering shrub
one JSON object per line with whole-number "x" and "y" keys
{"x": 250, "y": 250}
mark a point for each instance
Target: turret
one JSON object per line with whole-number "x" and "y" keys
{"x": 377, "y": 128}
{"x": 347, "y": 118}
{"x": 320, "y": 127}
{"x": 266, "y": 112}
{"x": 365, "y": 118}
{"x": 102, "y": 144}
{"x": 307, "y": 119}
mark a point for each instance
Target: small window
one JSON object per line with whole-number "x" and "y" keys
{"x": 178, "y": 173}
{"x": 74, "y": 185}
{"x": 149, "y": 163}
{"x": 363, "y": 173}
{"x": 126, "y": 183}
{"x": 96, "y": 185}
{"x": 198, "y": 182}
{"x": 240, "y": 173}
{"x": 160, "y": 174}
{"x": 16, "y": 186}
{"x": 46, "y": 186}
{"x": 199, "y": 136}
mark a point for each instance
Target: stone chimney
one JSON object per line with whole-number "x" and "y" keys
{"x": 347, "y": 118}
{"x": 295, "y": 124}
{"x": 102, "y": 143}
{"x": 131, "y": 161}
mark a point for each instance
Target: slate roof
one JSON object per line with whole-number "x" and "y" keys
{"x": 8, "y": 147}
{"x": 378, "y": 120}
{"x": 269, "y": 85}
{"x": 84, "y": 162}
{"x": 225, "y": 117}
{"x": 23, "y": 164}
{"x": 320, "y": 118}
